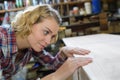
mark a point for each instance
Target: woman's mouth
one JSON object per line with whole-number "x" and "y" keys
{"x": 42, "y": 46}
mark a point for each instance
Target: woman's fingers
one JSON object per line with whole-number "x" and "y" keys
{"x": 69, "y": 51}
{"x": 75, "y": 62}
{"x": 82, "y": 61}
{"x": 80, "y": 51}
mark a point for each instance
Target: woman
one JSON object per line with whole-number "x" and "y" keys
{"x": 31, "y": 31}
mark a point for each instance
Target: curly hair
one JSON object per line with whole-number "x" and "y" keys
{"x": 24, "y": 20}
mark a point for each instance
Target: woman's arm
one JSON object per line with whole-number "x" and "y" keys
{"x": 51, "y": 62}
{"x": 68, "y": 68}
{"x": 69, "y": 63}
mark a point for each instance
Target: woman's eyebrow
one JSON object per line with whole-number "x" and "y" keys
{"x": 49, "y": 30}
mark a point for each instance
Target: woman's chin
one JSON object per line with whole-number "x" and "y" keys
{"x": 38, "y": 50}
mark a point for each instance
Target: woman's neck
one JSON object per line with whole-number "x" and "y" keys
{"x": 22, "y": 43}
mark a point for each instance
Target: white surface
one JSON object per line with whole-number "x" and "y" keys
{"x": 105, "y": 49}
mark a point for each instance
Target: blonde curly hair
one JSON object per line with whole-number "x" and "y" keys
{"x": 24, "y": 20}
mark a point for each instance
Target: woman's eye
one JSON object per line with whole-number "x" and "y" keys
{"x": 46, "y": 32}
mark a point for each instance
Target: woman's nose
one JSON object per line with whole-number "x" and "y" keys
{"x": 48, "y": 40}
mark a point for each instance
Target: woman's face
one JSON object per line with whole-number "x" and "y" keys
{"x": 42, "y": 34}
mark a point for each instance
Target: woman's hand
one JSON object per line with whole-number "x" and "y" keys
{"x": 69, "y": 51}
{"x": 70, "y": 65}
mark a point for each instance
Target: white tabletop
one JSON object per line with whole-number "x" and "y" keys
{"x": 105, "y": 49}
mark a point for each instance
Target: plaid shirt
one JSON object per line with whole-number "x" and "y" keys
{"x": 11, "y": 62}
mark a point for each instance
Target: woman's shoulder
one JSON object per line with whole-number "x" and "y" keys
{"x": 5, "y": 27}
{"x": 7, "y": 39}
{"x": 5, "y": 30}
{"x": 6, "y": 33}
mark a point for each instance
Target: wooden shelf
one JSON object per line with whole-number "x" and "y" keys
{"x": 70, "y": 2}
{"x": 83, "y": 26}
{"x": 88, "y": 15}
{"x": 12, "y": 10}
{"x": 2, "y": 11}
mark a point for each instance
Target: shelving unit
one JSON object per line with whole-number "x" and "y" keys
{"x": 75, "y": 21}
{"x": 64, "y": 9}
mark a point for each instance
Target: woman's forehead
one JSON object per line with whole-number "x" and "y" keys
{"x": 51, "y": 24}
